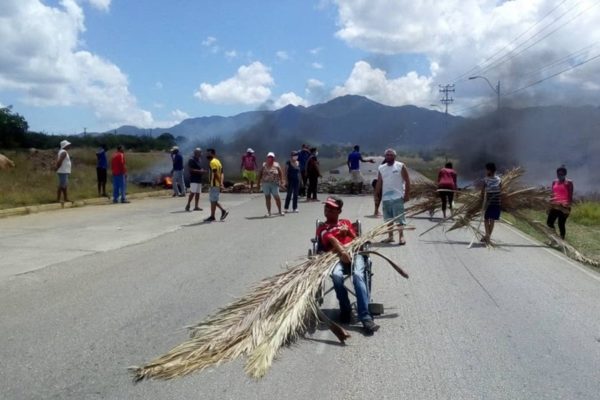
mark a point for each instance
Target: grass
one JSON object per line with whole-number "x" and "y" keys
{"x": 33, "y": 183}
{"x": 583, "y": 227}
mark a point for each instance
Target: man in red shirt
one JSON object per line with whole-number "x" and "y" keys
{"x": 333, "y": 235}
{"x": 119, "y": 174}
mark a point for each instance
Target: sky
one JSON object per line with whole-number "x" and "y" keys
{"x": 94, "y": 65}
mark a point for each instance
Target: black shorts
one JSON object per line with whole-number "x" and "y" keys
{"x": 101, "y": 175}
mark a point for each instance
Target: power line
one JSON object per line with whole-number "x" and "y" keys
{"x": 463, "y": 75}
{"x": 504, "y": 59}
{"x": 553, "y": 75}
{"x": 446, "y": 100}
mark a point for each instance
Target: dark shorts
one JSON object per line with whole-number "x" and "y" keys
{"x": 492, "y": 212}
{"x": 101, "y": 175}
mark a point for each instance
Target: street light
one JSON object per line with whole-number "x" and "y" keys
{"x": 495, "y": 89}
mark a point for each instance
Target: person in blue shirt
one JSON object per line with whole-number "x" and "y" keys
{"x": 101, "y": 166}
{"x": 354, "y": 160}
{"x": 303, "y": 156}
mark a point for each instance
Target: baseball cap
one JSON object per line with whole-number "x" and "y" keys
{"x": 334, "y": 202}
{"x": 64, "y": 143}
{"x": 249, "y": 150}
{"x": 271, "y": 154}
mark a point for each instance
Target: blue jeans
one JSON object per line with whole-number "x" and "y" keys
{"x": 360, "y": 287}
{"x": 178, "y": 183}
{"x": 118, "y": 187}
{"x": 292, "y": 193}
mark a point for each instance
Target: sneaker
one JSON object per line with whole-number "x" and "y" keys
{"x": 187, "y": 208}
{"x": 209, "y": 219}
{"x": 197, "y": 209}
{"x": 281, "y": 214}
{"x": 295, "y": 211}
{"x": 268, "y": 215}
{"x": 286, "y": 211}
{"x": 125, "y": 201}
{"x": 369, "y": 326}
{"x": 224, "y": 215}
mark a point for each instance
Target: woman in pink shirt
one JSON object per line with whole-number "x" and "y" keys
{"x": 562, "y": 198}
{"x": 446, "y": 186}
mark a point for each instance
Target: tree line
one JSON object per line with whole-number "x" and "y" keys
{"x": 14, "y": 134}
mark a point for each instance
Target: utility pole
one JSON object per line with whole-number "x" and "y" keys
{"x": 445, "y": 89}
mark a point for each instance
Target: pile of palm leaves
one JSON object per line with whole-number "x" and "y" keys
{"x": 275, "y": 312}
{"x": 514, "y": 199}
{"x": 427, "y": 192}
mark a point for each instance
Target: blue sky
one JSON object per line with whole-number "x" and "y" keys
{"x": 99, "y": 64}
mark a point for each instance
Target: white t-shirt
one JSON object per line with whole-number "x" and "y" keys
{"x": 393, "y": 183}
{"x": 65, "y": 167}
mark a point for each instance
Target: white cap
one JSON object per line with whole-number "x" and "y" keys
{"x": 271, "y": 154}
{"x": 64, "y": 143}
{"x": 174, "y": 148}
{"x": 249, "y": 150}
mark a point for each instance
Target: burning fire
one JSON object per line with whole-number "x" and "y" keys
{"x": 167, "y": 182}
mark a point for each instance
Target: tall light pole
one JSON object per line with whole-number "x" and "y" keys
{"x": 495, "y": 89}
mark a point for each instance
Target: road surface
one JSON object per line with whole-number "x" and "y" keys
{"x": 87, "y": 292}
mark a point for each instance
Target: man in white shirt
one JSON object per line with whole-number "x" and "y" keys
{"x": 393, "y": 183}
{"x": 63, "y": 169}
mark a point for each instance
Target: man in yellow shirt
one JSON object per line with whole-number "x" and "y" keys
{"x": 216, "y": 183}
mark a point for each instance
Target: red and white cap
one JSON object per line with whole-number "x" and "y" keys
{"x": 334, "y": 202}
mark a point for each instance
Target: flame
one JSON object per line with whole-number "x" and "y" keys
{"x": 168, "y": 181}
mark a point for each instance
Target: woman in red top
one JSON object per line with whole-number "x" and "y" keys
{"x": 446, "y": 186}
{"x": 562, "y": 198}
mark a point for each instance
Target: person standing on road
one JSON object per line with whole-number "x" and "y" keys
{"x": 195, "y": 169}
{"x": 303, "y": 156}
{"x": 249, "y": 167}
{"x": 292, "y": 173}
{"x": 393, "y": 183}
{"x": 119, "y": 175}
{"x": 269, "y": 178}
{"x": 313, "y": 173}
{"x": 562, "y": 199}
{"x": 334, "y": 234}
{"x": 63, "y": 170}
{"x": 446, "y": 186}
{"x": 101, "y": 167}
{"x": 177, "y": 173}
{"x": 356, "y": 178}
{"x": 216, "y": 178}
{"x": 491, "y": 192}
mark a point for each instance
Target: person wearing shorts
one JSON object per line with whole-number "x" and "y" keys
{"x": 249, "y": 168}
{"x": 393, "y": 183}
{"x": 216, "y": 183}
{"x": 195, "y": 169}
{"x": 356, "y": 178}
{"x": 491, "y": 192}
{"x": 270, "y": 177}
{"x": 63, "y": 170}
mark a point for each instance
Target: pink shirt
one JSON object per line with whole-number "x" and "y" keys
{"x": 562, "y": 192}
{"x": 447, "y": 179}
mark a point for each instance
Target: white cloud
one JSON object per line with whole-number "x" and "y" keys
{"x": 317, "y": 65}
{"x": 457, "y": 35}
{"x": 42, "y": 61}
{"x": 282, "y": 55}
{"x": 231, "y": 54}
{"x": 250, "y": 85}
{"x": 373, "y": 83}
{"x": 179, "y": 115}
{"x": 103, "y": 5}
{"x": 209, "y": 41}
{"x": 315, "y": 51}
{"x": 289, "y": 98}
{"x": 314, "y": 83}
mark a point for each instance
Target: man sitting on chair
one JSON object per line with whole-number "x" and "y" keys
{"x": 333, "y": 235}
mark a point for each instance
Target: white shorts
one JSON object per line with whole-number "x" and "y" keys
{"x": 356, "y": 176}
{"x": 195, "y": 187}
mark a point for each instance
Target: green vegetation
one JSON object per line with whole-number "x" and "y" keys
{"x": 585, "y": 237}
{"x": 33, "y": 180}
{"x": 586, "y": 213}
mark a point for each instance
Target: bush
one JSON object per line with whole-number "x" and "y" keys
{"x": 586, "y": 213}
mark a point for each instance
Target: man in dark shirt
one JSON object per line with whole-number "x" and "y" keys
{"x": 101, "y": 167}
{"x": 303, "y": 156}
{"x": 334, "y": 234}
{"x": 177, "y": 173}
{"x": 195, "y": 169}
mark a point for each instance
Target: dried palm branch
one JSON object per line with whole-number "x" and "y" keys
{"x": 275, "y": 312}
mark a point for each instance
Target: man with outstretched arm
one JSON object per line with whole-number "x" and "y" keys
{"x": 334, "y": 234}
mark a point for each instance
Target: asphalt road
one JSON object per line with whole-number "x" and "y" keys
{"x": 85, "y": 293}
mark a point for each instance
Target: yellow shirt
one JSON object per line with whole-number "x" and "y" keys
{"x": 216, "y": 170}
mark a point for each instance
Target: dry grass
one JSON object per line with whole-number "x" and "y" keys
{"x": 274, "y": 313}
